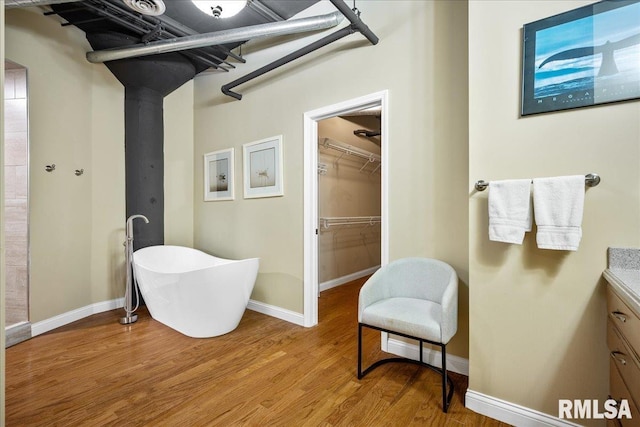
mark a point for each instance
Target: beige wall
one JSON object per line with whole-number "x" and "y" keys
{"x": 427, "y": 142}
{"x": 61, "y": 134}
{"x": 2, "y": 265}
{"x": 538, "y": 316}
{"x": 346, "y": 190}
{"x": 77, "y": 222}
{"x": 178, "y": 167}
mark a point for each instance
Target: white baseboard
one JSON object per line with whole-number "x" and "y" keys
{"x": 511, "y": 413}
{"x": 77, "y": 314}
{"x": 433, "y": 357}
{"x": 277, "y": 312}
{"x": 63, "y": 319}
{"x": 346, "y": 279}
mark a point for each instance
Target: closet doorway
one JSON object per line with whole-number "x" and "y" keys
{"x": 345, "y": 210}
{"x": 349, "y": 190}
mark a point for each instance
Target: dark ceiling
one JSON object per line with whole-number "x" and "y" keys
{"x": 181, "y": 18}
{"x": 165, "y": 49}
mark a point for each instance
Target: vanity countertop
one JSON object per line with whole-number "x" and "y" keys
{"x": 624, "y": 275}
{"x": 626, "y": 284}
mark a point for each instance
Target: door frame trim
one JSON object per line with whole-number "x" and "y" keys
{"x": 310, "y": 222}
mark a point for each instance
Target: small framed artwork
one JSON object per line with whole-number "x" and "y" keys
{"x": 583, "y": 57}
{"x": 218, "y": 175}
{"x": 262, "y": 161}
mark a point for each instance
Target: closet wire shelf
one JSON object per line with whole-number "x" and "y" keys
{"x": 350, "y": 150}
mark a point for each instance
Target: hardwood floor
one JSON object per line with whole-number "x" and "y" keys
{"x": 267, "y": 372}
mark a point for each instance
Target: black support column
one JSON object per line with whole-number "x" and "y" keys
{"x": 144, "y": 163}
{"x": 146, "y": 80}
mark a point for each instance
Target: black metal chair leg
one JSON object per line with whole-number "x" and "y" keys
{"x": 359, "y": 351}
{"x": 445, "y": 404}
{"x": 447, "y": 392}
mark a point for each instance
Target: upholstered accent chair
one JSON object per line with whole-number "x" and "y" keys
{"x": 415, "y": 298}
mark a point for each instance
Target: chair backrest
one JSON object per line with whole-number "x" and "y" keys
{"x": 422, "y": 278}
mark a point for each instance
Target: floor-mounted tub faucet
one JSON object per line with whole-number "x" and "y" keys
{"x": 131, "y": 280}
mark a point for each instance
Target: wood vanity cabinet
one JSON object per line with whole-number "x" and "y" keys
{"x": 623, "y": 341}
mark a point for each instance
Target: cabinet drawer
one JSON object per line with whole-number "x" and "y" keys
{"x": 620, "y": 392}
{"x": 625, "y": 360}
{"x": 625, "y": 320}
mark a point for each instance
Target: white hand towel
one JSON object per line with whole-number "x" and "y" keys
{"x": 558, "y": 204}
{"x": 509, "y": 210}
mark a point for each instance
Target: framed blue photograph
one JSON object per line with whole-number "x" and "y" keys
{"x": 583, "y": 57}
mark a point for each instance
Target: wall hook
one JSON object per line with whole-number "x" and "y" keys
{"x": 79, "y": 172}
{"x": 50, "y": 168}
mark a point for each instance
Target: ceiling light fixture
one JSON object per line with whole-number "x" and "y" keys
{"x": 220, "y": 8}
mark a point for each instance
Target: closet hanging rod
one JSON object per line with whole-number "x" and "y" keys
{"x": 590, "y": 180}
{"x": 349, "y": 149}
{"x": 328, "y": 222}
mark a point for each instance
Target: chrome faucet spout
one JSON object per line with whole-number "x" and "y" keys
{"x": 130, "y": 224}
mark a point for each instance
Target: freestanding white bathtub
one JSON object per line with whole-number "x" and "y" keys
{"x": 192, "y": 292}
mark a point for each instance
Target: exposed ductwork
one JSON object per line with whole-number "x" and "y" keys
{"x": 146, "y": 7}
{"x": 218, "y": 38}
{"x": 12, "y": 4}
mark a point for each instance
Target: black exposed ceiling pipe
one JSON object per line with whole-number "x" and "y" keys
{"x": 356, "y": 25}
{"x": 355, "y": 20}
{"x": 226, "y": 89}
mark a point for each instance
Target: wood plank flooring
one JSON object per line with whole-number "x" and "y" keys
{"x": 96, "y": 372}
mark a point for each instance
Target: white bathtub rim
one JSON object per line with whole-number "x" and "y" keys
{"x": 211, "y": 260}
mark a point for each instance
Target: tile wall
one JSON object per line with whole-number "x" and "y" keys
{"x": 16, "y": 196}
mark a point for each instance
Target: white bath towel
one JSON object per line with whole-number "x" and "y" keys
{"x": 558, "y": 205}
{"x": 509, "y": 210}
